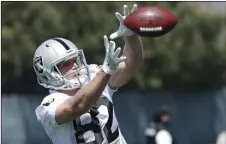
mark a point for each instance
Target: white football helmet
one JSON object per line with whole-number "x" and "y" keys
{"x": 56, "y": 51}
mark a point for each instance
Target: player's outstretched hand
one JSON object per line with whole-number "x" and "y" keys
{"x": 123, "y": 30}
{"x": 112, "y": 58}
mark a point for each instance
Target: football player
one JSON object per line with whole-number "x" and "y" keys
{"x": 79, "y": 108}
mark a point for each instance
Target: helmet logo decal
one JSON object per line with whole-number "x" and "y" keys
{"x": 48, "y": 102}
{"x": 38, "y": 64}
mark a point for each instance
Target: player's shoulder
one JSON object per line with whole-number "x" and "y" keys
{"x": 94, "y": 69}
{"x": 46, "y": 109}
{"x": 47, "y": 100}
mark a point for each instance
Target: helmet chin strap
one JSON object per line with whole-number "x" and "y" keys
{"x": 79, "y": 81}
{"x": 74, "y": 83}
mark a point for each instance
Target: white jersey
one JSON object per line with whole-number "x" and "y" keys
{"x": 98, "y": 126}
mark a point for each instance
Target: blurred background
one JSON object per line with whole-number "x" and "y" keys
{"x": 185, "y": 69}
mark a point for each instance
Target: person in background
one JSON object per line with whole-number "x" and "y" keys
{"x": 158, "y": 132}
{"x": 221, "y": 138}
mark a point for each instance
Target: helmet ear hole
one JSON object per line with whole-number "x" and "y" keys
{"x": 55, "y": 75}
{"x": 55, "y": 69}
{"x": 44, "y": 77}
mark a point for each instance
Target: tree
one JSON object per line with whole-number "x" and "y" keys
{"x": 191, "y": 57}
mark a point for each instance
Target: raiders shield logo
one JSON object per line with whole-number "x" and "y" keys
{"x": 37, "y": 63}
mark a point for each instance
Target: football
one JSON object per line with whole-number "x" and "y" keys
{"x": 151, "y": 21}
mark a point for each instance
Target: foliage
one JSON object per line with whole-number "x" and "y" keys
{"x": 191, "y": 57}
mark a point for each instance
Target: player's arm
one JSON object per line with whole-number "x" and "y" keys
{"x": 84, "y": 99}
{"x": 133, "y": 50}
